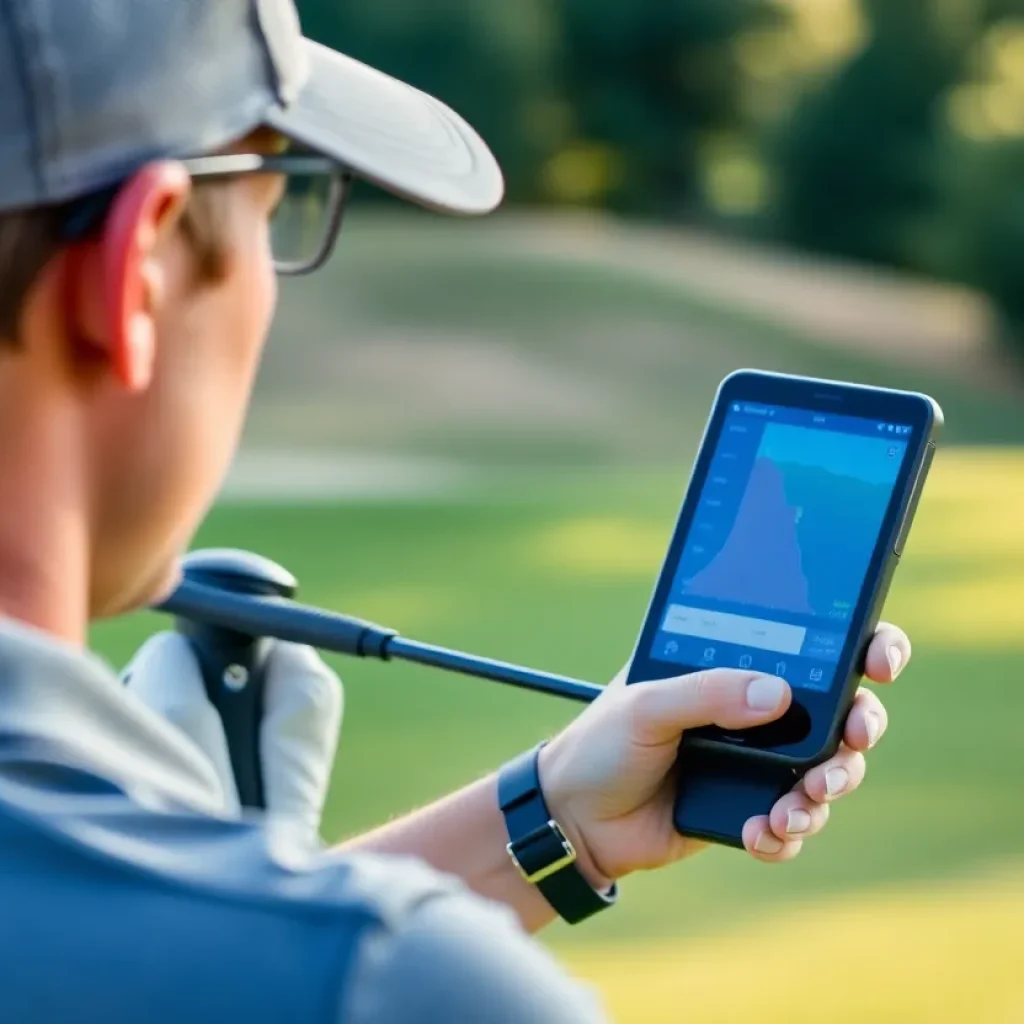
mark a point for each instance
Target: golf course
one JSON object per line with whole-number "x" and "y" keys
{"x": 556, "y": 403}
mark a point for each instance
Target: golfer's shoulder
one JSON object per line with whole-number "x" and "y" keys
{"x": 394, "y": 939}
{"x": 456, "y": 957}
{"x": 180, "y": 917}
{"x": 427, "y": 950}
{"x": 406, "y": 943}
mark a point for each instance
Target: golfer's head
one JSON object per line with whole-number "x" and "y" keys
{"x": 162, "y": 162}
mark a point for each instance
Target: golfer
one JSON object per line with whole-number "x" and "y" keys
{"x": 161, "y": 162}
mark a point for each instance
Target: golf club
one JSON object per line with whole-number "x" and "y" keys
{"x": 231, "y": 606}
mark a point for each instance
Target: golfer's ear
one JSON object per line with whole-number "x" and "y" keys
{"x": 119, "y": 280}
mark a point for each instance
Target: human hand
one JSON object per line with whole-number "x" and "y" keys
{"x": 609, "y": 780}
{"x": 303, "y": 707}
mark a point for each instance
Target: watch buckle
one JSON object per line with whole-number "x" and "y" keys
{"x": 566, "y": 860}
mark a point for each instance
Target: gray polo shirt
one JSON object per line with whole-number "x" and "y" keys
{"x": 128, "y": 893}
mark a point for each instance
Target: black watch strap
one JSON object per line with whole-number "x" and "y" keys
{"x": 718, "y": 792}
{"x": 538, "y": 846}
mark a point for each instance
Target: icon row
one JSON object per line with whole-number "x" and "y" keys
{"x": 711, "y": 656}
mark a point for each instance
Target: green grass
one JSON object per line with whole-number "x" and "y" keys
{"x": 560, "y": 579}
{"x": 890, "y": 915}
{"x": 427, "y": 337}
{"x": 923, "y": 954}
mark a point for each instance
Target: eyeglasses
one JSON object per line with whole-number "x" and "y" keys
{"x": 304, "y": 226}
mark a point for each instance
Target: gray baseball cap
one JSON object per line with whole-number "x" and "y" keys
{"x": 92, "y": 89}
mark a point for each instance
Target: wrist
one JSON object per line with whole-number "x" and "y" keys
{"x": 560, "y": 805}
{"x": 543, "y": 850}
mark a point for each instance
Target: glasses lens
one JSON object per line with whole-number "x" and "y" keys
{"x": 300, "y": 223}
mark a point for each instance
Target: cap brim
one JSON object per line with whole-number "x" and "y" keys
{"x": 391, "y": 134}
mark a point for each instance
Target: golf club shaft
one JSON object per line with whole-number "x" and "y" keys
{"x": 498, "y": 671}
{"x": 252, "y": 615}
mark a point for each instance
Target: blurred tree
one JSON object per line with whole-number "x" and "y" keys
{"x": 890, "y": 131}
{"x": 987, "y": 225}
{"x": 980, "y": 232}
{"x": 855, "y": 158}
{"x": 646, "y": 80}
{"x": 490, "y": 61}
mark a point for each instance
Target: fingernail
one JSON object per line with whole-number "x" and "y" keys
{"x": 765, "y": 693}
{"x": 798, "y": 821}
{"x": 895, "y": 661}
{"x": 836, "y": 780}
{"x": 873, "y": 724}
{"x": 768, "y": 843}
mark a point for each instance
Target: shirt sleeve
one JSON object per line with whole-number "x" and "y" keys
{"x": 461, "y": 960}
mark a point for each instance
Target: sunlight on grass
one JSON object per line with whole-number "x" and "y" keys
{"x": 856, "y": 943}
{"x": 972, "y": 508}
{"x": 962, "y": 573}
{"x": 914, "y": 955}
{"x": 600, "y": 546}
{"x": 987, "y": 611}
{"x": 942, "y": 953}
{"x": 970, "y": 538}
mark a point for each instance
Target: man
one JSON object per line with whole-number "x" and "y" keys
{"x": 158, "y": 162}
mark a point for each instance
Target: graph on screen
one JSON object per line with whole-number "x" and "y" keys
{"x": 805, "y": 524}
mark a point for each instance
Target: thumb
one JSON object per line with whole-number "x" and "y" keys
{"x": 299, "y": 734}
{"x": 666, "y": 709}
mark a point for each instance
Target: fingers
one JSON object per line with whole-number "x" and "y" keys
{"x": 299, "y": 733}
{"x": 837, "y": 777}
{"x": 664, "y": 710}
{"x": 796, "y": 816}
{"x": 867, "y": 722}
{"x": 804, "y": 812}
{"x": 762, "y": 843}
{"x": 888, "y": 654}
{"x": 780, "y": 835}
{"x": 165, "y": 676}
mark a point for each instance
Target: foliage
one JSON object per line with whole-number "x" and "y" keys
{"x": 856, "y": 157}
{"x": 646, "y": 79}
{"x": 489, "y": 61}
{"x": 986, "y": 226}
{"x": 616, "y": 104}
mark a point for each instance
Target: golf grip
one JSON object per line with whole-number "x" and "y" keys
{"x": 234, "y": 675}
{"x": 234, "y": 664}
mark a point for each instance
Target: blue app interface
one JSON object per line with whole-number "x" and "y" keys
{"x": 787, "y": 523}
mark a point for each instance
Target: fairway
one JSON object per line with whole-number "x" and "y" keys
{"x": 945, "y": 953}
{"x": 554, "y": 570}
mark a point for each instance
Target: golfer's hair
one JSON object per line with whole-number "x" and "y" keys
{"x": 30, "y": 239}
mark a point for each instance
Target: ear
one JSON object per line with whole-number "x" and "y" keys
{"x": 119, "y": 279}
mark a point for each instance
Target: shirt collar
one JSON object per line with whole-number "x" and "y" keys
{"x": 71, "y": 705}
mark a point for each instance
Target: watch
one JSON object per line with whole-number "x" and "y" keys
{"x": 539, "y": 848}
